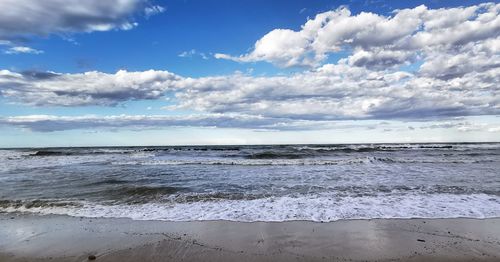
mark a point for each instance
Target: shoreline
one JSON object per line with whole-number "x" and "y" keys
{"x": 29, "y": 237}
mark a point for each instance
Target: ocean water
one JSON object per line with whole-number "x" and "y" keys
{"x": 255, "y": 183}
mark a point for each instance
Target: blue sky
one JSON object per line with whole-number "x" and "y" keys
{"x": 372, "y": 72}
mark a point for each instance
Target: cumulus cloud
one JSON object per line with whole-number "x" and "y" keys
{"x": 90, "y": 88}
{"x": 22, "y": 50}
{"x": 378, "y": 41}
{"x": 24, "y": 18}
{"x": 455, "y": 54}
{"x": 283, "y": 47}
{"x": 465, "y": 59}
{"x": 380, "y": 58}
{"x": 340, "y": 91}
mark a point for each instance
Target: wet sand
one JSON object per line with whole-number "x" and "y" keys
{"x": 63, "y": 238}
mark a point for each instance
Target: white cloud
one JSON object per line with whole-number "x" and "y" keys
{"x": 90, "y": 88}
{"x": 153, "y": 10}
{"x": 472, "y": 57}
{"x": 24, "y": 18}
{"x": 464, "y": 126}
{"x": 22, "y": 50}
{"x": 50, "y": 123}
{"x": 378, "y": 41}
{"x": 281, "y": 46}
{"x": 455, "y": 54}
{"x": 380, "y": 58}
{"x": 331, "y": 92}
{"x": 344, "y": 92}
{"x": 192, "y": 53}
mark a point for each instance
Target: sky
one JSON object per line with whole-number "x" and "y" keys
{"x": 145, "y": 72}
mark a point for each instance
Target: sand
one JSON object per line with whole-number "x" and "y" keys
{"x": 63, "y": 238}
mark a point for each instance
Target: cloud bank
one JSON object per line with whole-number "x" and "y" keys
{"x": 331, "y": 92}
{"x": 51, "y": 123}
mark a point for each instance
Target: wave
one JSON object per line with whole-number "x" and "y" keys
{"x": 125, "y": 150}
{"x": 137, "y": 194}
{"x": 266, "y": 151}
{"x": 276, "y": 155}
{"x": 210, "y": 197}
{"x": 306, "y": 152}
{"x": 165, "y": 195}
{"x": 110, "y": 181}
{"x": 298, "y": 152}
{"x": 51, "y": 153}
{"x": 196, "y": 148}
{"x": 78, "y": 152}
{"x": 240, "y": 162}
{"x": 309, "y": 208}
{"x": 287, "y": 161}
{"x": 118, "y": 195}
{"x": 37, "y": 203}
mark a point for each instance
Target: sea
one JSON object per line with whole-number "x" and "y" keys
{"x": 255, "y": 182}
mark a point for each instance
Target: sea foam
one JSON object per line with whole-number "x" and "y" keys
{"x": 317, "y": 208}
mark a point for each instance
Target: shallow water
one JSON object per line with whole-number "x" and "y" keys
{"x": 255, "y": 183}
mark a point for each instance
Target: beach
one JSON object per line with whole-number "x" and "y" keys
{"x": 27, "y": 237}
